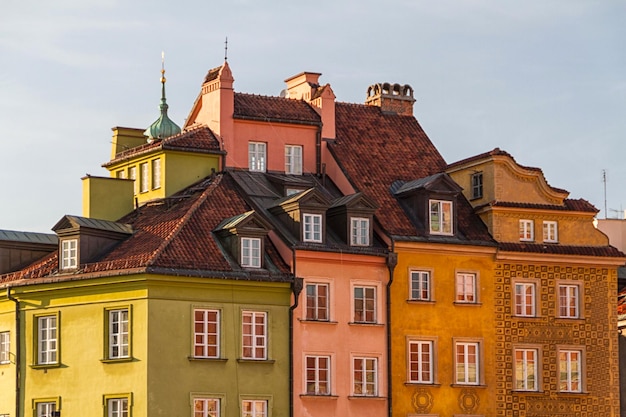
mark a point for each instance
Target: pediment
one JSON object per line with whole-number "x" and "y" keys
{"x": 440, "y": 183}
{"x": 248, "y": 222}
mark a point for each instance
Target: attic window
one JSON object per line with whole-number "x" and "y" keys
{"x": 251, "y": 252}
{"x": 69, "y": 254}
{"x": 312, "y": 228}
{"x": 440, "y": 219}
{"x": 359, "y": 231}
{"x": 477, "y": 185}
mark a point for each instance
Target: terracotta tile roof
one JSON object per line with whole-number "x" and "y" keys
{"x": 197, "y": 139}
{"x": 251, "y": 106}
{"x": 557, "y": 249}
{"x": 376, "y": 148}
{"x": 569, "y": 205}
{"x": 174, "y": 236}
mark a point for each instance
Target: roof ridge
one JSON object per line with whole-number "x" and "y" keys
{"x": 183, "y": 221}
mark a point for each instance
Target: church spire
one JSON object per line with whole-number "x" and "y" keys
{"x": 163, "y": 127}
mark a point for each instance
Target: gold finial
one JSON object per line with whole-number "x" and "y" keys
{"x": 163, "y": 66}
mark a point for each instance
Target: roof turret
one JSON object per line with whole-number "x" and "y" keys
{"x": 163, "y": 127}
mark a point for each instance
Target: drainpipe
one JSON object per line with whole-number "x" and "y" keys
{"x": 18, "y": 348}
{"x": 297, "y": 288}
{"x": 392, "y": 261}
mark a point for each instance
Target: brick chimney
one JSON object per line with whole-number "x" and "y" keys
{"x": 391, "y": 98}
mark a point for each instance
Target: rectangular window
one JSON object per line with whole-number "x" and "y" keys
{"x": 421, "y": 362}
{"x": 45, "y": 409}
{"x": 568, "y": 301}
{"x": 525, "y": 299}
{"x": 144, "y": 177}
{"x": 206, "y": 333}
{"x": 467, "y": 363}
{"x": 119, "y": 334}
{"x": 318, "y": 375}
{"x": 420, "y": 285}
{"x": 526, "y": 230}
{"x": 251, "y": 252}
{"x": 365, "y": 304}
{"x": 156, "y": 174}
{"x": 526, "y": 369}
{"x": 550, "y": 232}
{"x": 477, "y": 185}
{"x": 256, "y": 156}
{"x": 570, "y": 371}
{"x": 440, "y": 217}
{"x": 365, "y": 377}
{"x": 317, "y": 302}
{"x": 117, "y": 407}
{"x": 206, "y": 407}
{"x": 254, "y": 336}
{"x": 5, "y": 346}
{"x": 120, "y": 174}
{"x": 132, "y": 175}
{"x": 47, "y": 340}
{"x": 466, "y": 288}
{"x": 293, "y": 159}
{"x": 254, "y": 408}
{"x": 360, "y": 231}
{"x": 69, "y": 253}
{"x": 312, "y": 231}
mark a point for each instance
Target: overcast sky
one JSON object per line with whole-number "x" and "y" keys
{"x": 544, "y": 80}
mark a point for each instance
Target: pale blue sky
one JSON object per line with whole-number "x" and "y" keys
{"x": 543, "y": 80}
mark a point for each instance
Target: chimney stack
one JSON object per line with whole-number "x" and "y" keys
{"x": 391, "y": 98}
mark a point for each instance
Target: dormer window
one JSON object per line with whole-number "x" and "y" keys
{"x": 359, "y": 231}
{"x": 250, "y": 252}
{"x": 312, "y": 228}
{"x": 477, "y": 185}
{"x": 440, "y": 218}
{"x": 69, "y": 254}
{"x": 550, "y": 232}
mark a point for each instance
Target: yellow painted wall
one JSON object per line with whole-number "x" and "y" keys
{"x": 7, "y": 371}
{"x": 107, "y": 198}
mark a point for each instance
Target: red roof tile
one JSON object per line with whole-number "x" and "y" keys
{"x": 251, "y": 106}
{"x": 557, "y": 249}
{"x": 569, "y": 205}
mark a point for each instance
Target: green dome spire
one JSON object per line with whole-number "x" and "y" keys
{"x": 163, "y": 127}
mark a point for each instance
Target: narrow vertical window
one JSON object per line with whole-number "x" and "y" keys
{"x": 317, "y": 375}
{"x": 47, "y": 339}
{"x": 365, "y": 304}
{"x": 156, "y": 174}
{"x": 570, "y": 370}
{"x": 254, "y": 408}
{"x": 466, "y": 362}
{"x": 466, "y": 288}
{"x": 120, "y": 174}
{"x": 256, "y": 156}
{"x": 132, "y": 175}
{"x": 117, "y": 407}
{"x": 144, "y": 177}
{"x": 119, "y": 334}
{"x": 568, "y": 301}
{"x": 5, "y": 346}
{"x": 206, "y": 333}
{"x": 206, "y": 407}
{"x": 254, "y": 335}
{"x": 69, "y": 253}
{"x": 293, "y": 159}
{"x": 317, "y": 302}
{"x": 360, "y": 231}
{"x": 251, "y": 252}
{"x": 525, "y": 299}
{"x": 365, "y": 377}
{"x": 550, "y": 232}
{"x": 312, "y": 228}
{"x": 477, "y": 185}
{"x": 440, "y": 217}
{"x": 420, "y": 285}
{"x": 526, "y": 230}
{"x": 526, "y": 369}
{"x": 421, "y": 362}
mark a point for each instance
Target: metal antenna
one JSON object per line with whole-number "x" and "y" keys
{"x": 226, "y": 49}
{"x": 604, "y": 181}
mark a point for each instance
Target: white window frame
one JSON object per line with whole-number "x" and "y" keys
{"x": 525, "y": 299}
{"x": 317, "y": 306}
{"x": 206, "y": 407}
{"x": 206, "y": 333}
{"x": 156, "y": 173}
{"x": 569, "y": 301}
{"x": 253, "y": 338}
{"x": 364, "y": 376}
{"x": 420, "y": 286}
{"x": 5, "y": 347}
{"x": 570, "y": 364}
{"x": 132, "y": 175}
{"x": 317, "y": 375}
{"x": 144, "y": 177}
{"x": 477, "y": 185}
{"x": 550, "y": 231}
{"x": 440, "y": 217}
{"x": 312, "y": 227}
{"x": 421, "y": 370}
{"x": 466, "y": 287}
{"x": 251, "y": 252}
{"x": 121, "y": 174}
{"x": 359, "y": 231}
{"x": 47, "y": 340}
{"x": 119, "y": 333}
{"x": 526, "y": 369}
{"x": 118, "y": 407}
{"x": 365, "y": 299}
{"x": 69, "y": 253}
{"x": 257, "y": 156}
{"x": 293, "y": 159}
{"x": 254, "y": 408}
{"x": 526, "y": 230}
{"x": 45, "y": 408}
{"x": 465, "y": 361}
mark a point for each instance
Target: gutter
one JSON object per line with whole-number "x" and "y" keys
{"x": 18, "y": 348}
{"x": 297, "y": 288}
{"x": 392, "y": 261}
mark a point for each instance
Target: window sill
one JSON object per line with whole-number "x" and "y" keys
{"x": 117, "y": 360}
{"x": 559, "y": 319}
{"x": 201, "y": 359}
{"x": 412, "y": 301}
{"x": 320, "y": 396}
{"x": 365, "y": 323}
{"x": 318, "y": 321}
{"x": 461, "y": 303}
{"x": 525, "y": 317}
{"x": 245, "y": 360}
{"x": 366, "y": 397}
{"x": 468, "y": 385}
{"x": 422, "y": 384}
{"x": 527, "y": 392}
{"x": 45, "y": 366}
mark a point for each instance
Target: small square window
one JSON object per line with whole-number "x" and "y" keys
{"x": 257, "y": 156}
{"x": 466, "y": 288}
{"x": 254, "y": 408}
{"x": 250, "y": 252}
{"x": 312, "y": 228}
{"x": 569, "y": 301}
{"x": 206, "y": 407}
{"x": 440, "y": 217}
{"x": 293, "y": 159}
{"x": 69, "y": 254}
{"x": 420, "y": 285}
{"x": 477, "y": 185}
{"x": 359, "y": 231}
{"x": 117, "y": 407}
{"x": 525, "y": 299}
{"x": 45, "y": 408}
{"x": 550, "y": 232}
{"x": 526, "y": 230}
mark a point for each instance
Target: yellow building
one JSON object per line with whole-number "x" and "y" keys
{"x": 555, "y": 291}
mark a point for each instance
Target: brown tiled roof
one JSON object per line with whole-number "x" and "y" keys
{"x": 569, "y": 205}
{"x": 197, "y": 139}
{"x": 557, "y": 249}
{"x": 251, "y": 106}
{"x": 376, "y": 148}
{"x": 174, "y": 236}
